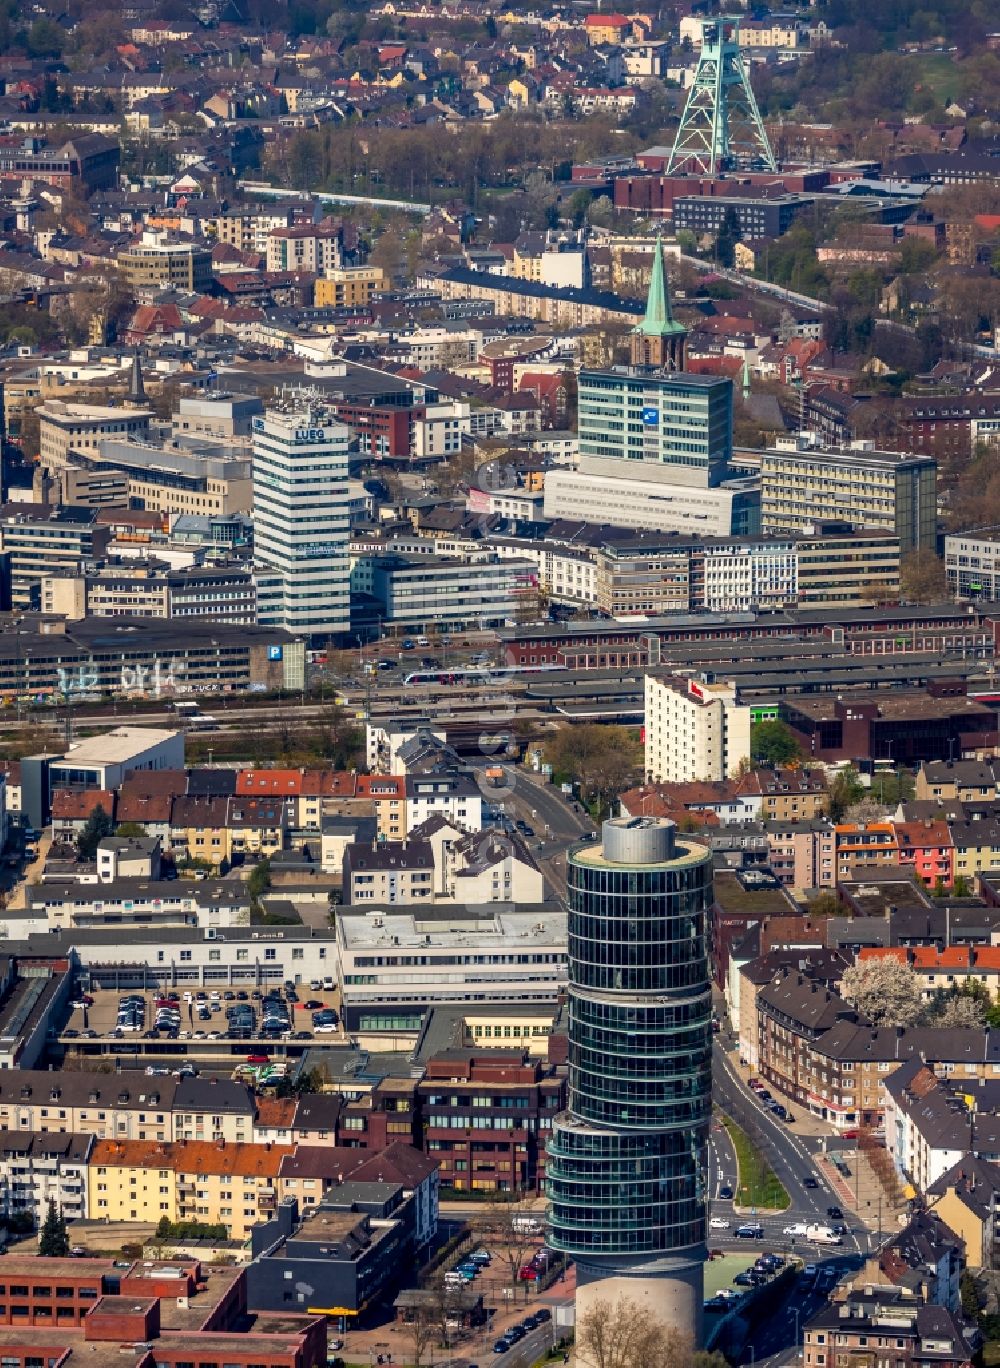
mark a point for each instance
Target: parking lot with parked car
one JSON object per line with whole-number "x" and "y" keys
{"x": 201, "y": 1016}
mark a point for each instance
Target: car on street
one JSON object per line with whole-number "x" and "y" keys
{"x": 798, "y": 1229}
{"x": 809, "y": 1181}
{"x": 726, "y": 1192}
{"x": 835, "y": 1213}
{"x": 718, "y": 1223}
{"x": 809, "y": 1271}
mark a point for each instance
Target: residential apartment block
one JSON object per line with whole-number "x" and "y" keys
{"x": 37, "y": 1168}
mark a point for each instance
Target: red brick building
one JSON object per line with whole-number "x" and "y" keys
{"x": 154, "y": 1314}
{"x": 487, "y": 1116}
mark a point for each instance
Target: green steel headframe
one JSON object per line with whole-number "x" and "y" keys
{"x": 721, "y": 128}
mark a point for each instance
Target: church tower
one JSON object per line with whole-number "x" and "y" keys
{"x": 659, "y": 340}
{"x": 136, "y": 396}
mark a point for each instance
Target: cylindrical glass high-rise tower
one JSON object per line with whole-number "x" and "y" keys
{"x": 626, "y": 1163}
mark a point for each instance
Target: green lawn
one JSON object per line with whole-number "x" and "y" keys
{"x": 759, "y": 1184}
{"x": 938, "y": 71}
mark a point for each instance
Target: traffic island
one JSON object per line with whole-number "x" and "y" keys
{"x": 759, "y": 1186}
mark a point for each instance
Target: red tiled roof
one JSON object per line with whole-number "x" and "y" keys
{"x": 75, "y": 805}
{"x": 269, "y": 782}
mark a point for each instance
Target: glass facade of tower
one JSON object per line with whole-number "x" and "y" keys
{"x": 679, "y": 422}
{"x": 626, "y": 1162}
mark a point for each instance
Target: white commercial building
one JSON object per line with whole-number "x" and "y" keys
{"x": 301, "y": 498}
{"x": 385, "y": 740}
{"x": 394, "y": 959}
{"x": 390, "y": 963}
{"x": 439, "y": 431}
{"x": 694, "y": 730}
{"x": 727, "y": 510}
{"x": 565, "y": 574}
{"x": 428, "y": 593}
{"x": 102, "y": 762}
{"x": 972, "y": 563}
{"x": 741, "y": 576}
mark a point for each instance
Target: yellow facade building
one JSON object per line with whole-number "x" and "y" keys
{"x": 349, "y": 287}
{"x": 234, "y": 1185}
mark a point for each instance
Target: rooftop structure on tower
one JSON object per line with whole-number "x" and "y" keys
{"x": 721, "y": 128}
{"x": 659, "y": 340}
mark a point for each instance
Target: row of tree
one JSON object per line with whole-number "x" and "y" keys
{"x": 889, "y": 993}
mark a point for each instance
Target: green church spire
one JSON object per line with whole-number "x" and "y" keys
{"x": 658, "y": 320}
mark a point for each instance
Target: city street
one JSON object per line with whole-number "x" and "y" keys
{"x": 776, "y": 1341}
{"x": 555, "y": 822}
{"x": 792, "y": 1157}
{"x": 723, "y": 1170}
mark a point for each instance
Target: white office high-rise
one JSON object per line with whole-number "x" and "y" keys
{"x": 301, "y": 516}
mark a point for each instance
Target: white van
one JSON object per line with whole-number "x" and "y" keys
{"x": 823, "y": 1234}
{"x": 453, "y": 1279}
